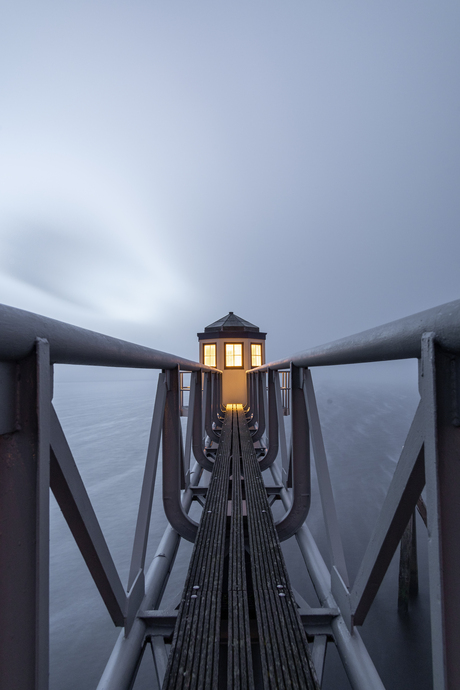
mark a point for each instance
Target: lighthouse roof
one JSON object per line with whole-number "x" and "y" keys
{"x": 232, "y": 326}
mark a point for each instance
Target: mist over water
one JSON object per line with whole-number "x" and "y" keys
{"x": 107, "y": 424}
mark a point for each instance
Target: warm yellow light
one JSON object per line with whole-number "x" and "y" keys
{"x": 256, "y": 355}
{"x": 209, "y": 355}
{"x": 233, "y": 354}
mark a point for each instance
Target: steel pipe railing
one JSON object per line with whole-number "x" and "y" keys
{"x": 430, "y": 458}
{"x": 35, "y": 455}
{"x": 73, "y": 345}
{"x": 399, "y": 339}
{"x": 30, "y": 435}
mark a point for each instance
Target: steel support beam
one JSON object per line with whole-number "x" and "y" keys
{"x": 324, "y": 481}
{"x": 24, "y": 520}
{"x": 273, "y": 444}
{"x": 148, "y": 483}
{"x": 208, "y": 409}
{"x": 197, "y": 433}
{"x": 260, "y": 406}
{"x": 71, "y": 495}
{"x": 298, "y": 512}
{"x": 400, "y": 501}
{"x": 172, "y": 466}
{"x": 121, "y": 668}
{"x": 281, "y": 430}
{"x": 439, "y": 383}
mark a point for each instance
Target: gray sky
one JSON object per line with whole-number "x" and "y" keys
{"x": 162, "y": 163}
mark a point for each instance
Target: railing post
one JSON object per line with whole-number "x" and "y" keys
{"x": 254, "y": 418}
{"x": 197, "y": 436}
{"x": 148, "y": 484}
{"x": 261, "y": 406}
{"x": 331, "y": 522}
{"x": 215, "y": 399}
{"x": 281, "y": 430}
{"x": 24, "y": 520}
{"x": 250, "y": 415}
{"x": 439, "y": 383}
{"x": 273, "y": 444}
{"x": 297, "y": 515}
{"x": 172, "y": 464}
{"x": 208, "y": 409}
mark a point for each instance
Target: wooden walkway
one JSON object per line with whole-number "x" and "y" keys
{"x": 238, "y": 626}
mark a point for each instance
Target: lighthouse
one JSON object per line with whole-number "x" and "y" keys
{"x": 232, "y": 345}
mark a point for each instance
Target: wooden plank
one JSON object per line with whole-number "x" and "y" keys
{"x": 285, "y": 655}
{"x": 194, "y": 657}
{"x": 239, "y": 660}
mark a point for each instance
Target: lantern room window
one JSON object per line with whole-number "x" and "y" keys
{"x": 209, "y": 355}
{"x": 234, "y": 355}
{"x": 256, "y": 355}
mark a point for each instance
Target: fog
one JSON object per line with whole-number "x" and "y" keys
{"x": 164, "y": 163}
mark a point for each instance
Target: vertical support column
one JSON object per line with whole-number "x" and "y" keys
{"x": 273, "y": 444}
{"x": 172, "y": 462}
{"x": 439, "y": 382}
{"x": 215, "y": 399}
{"x": 297, "y": 515}
{"x": 208, "y": 409}
{"x": 254, "y": 399}
{"x": 24, "y": 520}
{"x": 197, "y": 437}
{"x": 260, "y": 406}
{"x": 204, "y": 392}
{"x": 281, "y": 430}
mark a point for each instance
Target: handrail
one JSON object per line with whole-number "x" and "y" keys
{"x": 429, "y": 458}
{"x": 395, "y": 340}
{"x": 30, "y": 431}
{"x": 74, "y": 345}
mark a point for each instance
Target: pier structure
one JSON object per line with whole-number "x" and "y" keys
{"x": 238, "y": 623}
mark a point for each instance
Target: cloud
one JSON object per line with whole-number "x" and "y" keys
{"x": 105, "y": 273}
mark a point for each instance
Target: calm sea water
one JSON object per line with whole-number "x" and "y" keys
{"x": 107, "y": 425}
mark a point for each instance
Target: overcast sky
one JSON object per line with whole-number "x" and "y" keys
{"x": 162, "y": 163}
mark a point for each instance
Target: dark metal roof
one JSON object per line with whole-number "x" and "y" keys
{"x": 232, "y": 326}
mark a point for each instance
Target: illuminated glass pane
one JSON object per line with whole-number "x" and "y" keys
{"x": 209, "y": 355}
{"x": 256, "y": 355}
{"x": 238, "y": 355}
{"x": 233, "y": 354}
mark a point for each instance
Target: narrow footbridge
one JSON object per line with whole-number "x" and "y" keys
{"x": 238, "y": 622}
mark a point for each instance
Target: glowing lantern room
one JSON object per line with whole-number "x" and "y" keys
{"x": 233, "y": 345}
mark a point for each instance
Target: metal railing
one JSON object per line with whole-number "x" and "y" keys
{"x": 35, "y": 456}
{"x": 184, "y": 392}
{"x": 285, "y": 388}
{"x": 430, "y": 459}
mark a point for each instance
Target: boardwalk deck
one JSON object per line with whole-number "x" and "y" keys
{"x": 263, "y": 621}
